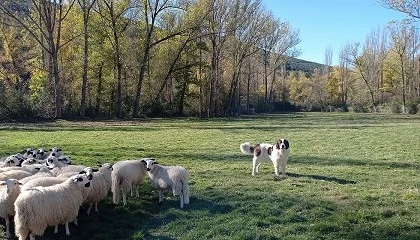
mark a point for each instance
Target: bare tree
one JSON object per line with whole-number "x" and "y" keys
{"x": 409, "y": 7}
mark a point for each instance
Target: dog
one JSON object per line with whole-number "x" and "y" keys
{"x": 263, "y": 152}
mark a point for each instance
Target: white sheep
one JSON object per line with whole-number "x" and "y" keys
{"x": 101, "y": 184}
{"x": 43, "y": 172}
{"x": 16, "y": 174}
{"x": 7, "y": 198}
{"x": 40, "y": 207}
{"x": 125, "y": 175}
{"x": 58, "y": 168}
{"x": 163, "y": 177}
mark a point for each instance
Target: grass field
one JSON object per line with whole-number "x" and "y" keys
{"x": 350, "y": 176}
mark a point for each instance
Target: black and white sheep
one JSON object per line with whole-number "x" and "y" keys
{"x": 174, "y": 177}
{"x": 40, "y": 207}
{"x": 101, "y": 184}
{"x": 126, "y": 174}
{"x": 7, "y": 199}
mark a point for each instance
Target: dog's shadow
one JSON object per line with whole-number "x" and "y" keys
{"x": 324, "y": 178}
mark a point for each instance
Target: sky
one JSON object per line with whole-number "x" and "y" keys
{"x": 331, "y": 23}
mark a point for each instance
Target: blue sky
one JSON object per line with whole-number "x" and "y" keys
{"x": 324, "y": 23}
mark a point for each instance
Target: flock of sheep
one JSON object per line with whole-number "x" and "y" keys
{"x": 42, "y": 189}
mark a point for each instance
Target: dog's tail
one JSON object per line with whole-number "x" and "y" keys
{"x": 247, "y": 148}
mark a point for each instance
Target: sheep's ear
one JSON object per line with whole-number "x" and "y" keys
{"x": 50, "y": 150}
{"x": 95, "y": 170}
{"x": 155, "y": 162}
{"x": 59, "y": 149}
{"x": 82, "y": 172}
{"x": 2, "y": 183}
{"x": 20, "y": 183}
{"x": 143, "y": 161}
{"x": 51, "y": 168}
{"x": 37, "y": 168}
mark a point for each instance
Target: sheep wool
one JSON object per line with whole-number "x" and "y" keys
{"x": 7, "y": 199}
{"x": 43, "y": 172}
{"x": 16, "y": 174}
{"x": 174, "y": 177}
{"x": 125, "y": 175}
{"x": 40, "y": 207}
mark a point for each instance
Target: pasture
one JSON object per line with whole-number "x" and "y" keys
{"x": 350, "y": 176}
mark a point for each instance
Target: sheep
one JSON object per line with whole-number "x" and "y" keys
{"x": 7, "y": 198}
{"x": 30, "y": 161}
{"x": 58, "y": 168}
{"x": 125, "y": 175}
{"x": 16, "y": 174}
{"x": 55, "y": 151}
{"x": 101, "y": 184}
{"x": 175, "y": 177}
{"x": 40, "y": 154}
{"x": 43, "y": 172}
{"x": 13, "y": 161}
{"x": 42, "y": 182}
{"x": 40, "y": 207}
{"x": 64, "y": 160}
{"x": 28, "y": 152}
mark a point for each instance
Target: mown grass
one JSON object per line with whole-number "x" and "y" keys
{"x": 350, "y": 176}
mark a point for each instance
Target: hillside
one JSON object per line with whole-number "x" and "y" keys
{"x": 295, "y": 64}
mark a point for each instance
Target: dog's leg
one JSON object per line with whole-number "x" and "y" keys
{"x": 276, "y": 168}
{"x": 254, "y": 166}
{"x": 283, "y": 168}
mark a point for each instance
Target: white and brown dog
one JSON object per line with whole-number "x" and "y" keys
{"x": 263, "y": 152}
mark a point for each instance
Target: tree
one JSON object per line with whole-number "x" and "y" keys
{"x": 45, "y": 28}
{"x": 409, "y": 7}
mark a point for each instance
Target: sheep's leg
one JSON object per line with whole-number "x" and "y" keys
{"x": 96, "y": 207}
{"x": 181, "y": 196}
{"x": 160, "y": 195}
{"x": 56, "y": 229}
{"x": 137, "y": 191}
{"x": 124, "y": 198}
{"x": 88, "y": 211}
{"x": 131, "y": 191}
{"x": 31, "y": 236}
{"x": 75, "y": 222}
{"x": 7, "y": 227}
{"x": 67, "y": 229}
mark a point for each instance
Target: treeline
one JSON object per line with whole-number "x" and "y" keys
{"x": 205, "y": 58}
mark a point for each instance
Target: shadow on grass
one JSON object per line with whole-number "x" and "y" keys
{"x": 323, "y": 178}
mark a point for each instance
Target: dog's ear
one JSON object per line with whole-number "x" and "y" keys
{"x": 286, "y": 143}
{"x": 278, "y": 144}
{"x": 270, "y": 150}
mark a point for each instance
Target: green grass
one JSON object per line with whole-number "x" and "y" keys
{"x": 350, "y": 176}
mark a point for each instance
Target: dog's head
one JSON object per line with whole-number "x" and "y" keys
{"x": 282, "y": 144}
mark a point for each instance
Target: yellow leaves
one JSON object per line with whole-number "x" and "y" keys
{"x": 37, "y": 84}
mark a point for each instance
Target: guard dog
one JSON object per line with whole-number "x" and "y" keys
{"x": 263, "y": 152}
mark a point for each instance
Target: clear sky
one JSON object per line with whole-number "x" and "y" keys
{"x": 324, "y": 23}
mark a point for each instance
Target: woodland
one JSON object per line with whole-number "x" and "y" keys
{"x": 202, "y": 58}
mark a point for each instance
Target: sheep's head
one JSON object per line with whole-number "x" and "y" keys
{"x": 13, "y": 160}
{"x": 57, "y": 151}
{"x": 52, "y": 160}
{"x": 64, "y": 160}
{"x": 81, "y": 179}
{"x": 149, "y": 163}
{"x": 88, "y": 172}
{"x": 40, "y": 153}
{"x": 103, "y": 166}
{"x": 28, "y": 151}
{"x": 11, "y": 184}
